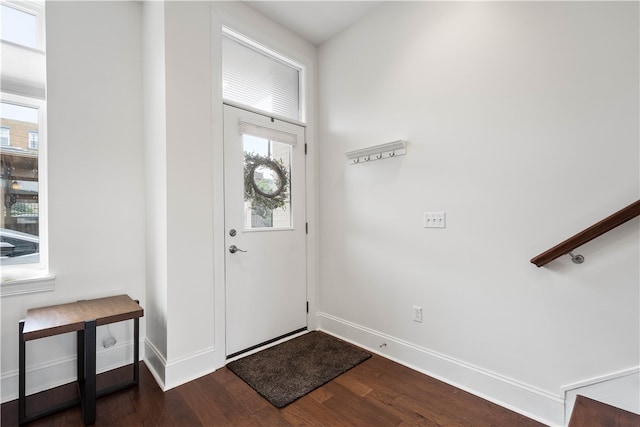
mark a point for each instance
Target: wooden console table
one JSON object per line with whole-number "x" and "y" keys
{"x": 81, "y": 317}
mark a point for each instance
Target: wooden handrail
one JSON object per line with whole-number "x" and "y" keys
{"x": 588, "y": 234}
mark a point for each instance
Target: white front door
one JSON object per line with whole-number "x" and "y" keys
{"x": 265, "y": 232}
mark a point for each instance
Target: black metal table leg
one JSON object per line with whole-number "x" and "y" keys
{"x": 88, "y": 384}
{"x": 80, "y": 355}
{"x": 136, "y": 350}
{"x": 21, "y": 375}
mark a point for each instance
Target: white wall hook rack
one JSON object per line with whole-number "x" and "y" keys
{"x": 377, "y": 152}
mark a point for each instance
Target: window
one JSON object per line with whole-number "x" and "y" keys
{"x": 33, "y": 140}
{"x": 20, "y": 25}
{"x": 5, "y": 136}
{"x": 20, "y": 183}
{"x": 260, "y": 78}
{"x": 23, "y": 219}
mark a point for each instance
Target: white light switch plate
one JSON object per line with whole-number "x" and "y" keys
{"x": 435, "y": 220}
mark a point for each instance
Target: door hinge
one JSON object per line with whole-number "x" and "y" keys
{"x": 307, "y": 306}
{"x": 305, "y": 148}
{"x": 306, "y": 228}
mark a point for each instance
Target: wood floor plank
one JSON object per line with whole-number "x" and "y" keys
{"x": 377, "y": 392}
{"x": 248, "y": 398}
{"x": 307, "y": 411}
{"x": 350, "y": 382}
{"x": 207, "y": 411}
{"x": 320, "y": 395}
{"x": 148, "y": 401}
{"x": 355, "y": 410}
{"x": 270, "y": 417}
{"x": 385, "y": 395}
{"x": 179, "y": 410}
{"x": 114, "y": 407}
{"x": 590, "y": 413}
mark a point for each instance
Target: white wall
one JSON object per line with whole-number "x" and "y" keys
{"x": 96, "y": 183}
{"x": 190, "y": 268}
{"x": 522, "y": 122}
{"x": 155, "y": 142}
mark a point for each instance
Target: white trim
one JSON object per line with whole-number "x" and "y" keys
{"x": 28, "y": 285}
{"x": 510, "y": 393}
{"x": 260, "y": 130}
{"x": 170, "y": 374}
{"x": 260, "y": 48}
{"x": 189, "y": 368}
{"x": 263, "y": 113}
{"x": 219, "y": 248}
{"x": 601, "y": 379}
{"x": 22, "y": 278}
{"x": 155, "y": 362}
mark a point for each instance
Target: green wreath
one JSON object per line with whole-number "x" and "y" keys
{"x": 263, "y": 195}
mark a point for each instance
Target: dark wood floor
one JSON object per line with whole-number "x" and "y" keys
{"x": 378, "y": 392}
{"x": 591, "y": 413}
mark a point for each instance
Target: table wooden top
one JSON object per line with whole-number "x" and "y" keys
{"x": 59, "y": 319}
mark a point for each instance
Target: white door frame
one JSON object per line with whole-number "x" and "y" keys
{"x": 260, "y": 28}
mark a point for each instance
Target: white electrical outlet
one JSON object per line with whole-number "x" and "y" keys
{"x": 417, "y": 314}
{"x": 435, "y": 220}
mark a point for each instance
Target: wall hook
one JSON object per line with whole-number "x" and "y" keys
{"x": 378, "y": 152}
{"x": 577, "y": 259}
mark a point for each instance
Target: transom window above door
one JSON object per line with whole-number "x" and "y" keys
{"x": 259, "y": 78}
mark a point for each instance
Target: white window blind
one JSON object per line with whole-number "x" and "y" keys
{"x": 259, "y": 80}
{"x": 22, "y": 48}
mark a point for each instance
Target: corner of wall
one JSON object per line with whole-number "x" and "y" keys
{"x": 620, "y": 389}
{"x": 155, "y": 362}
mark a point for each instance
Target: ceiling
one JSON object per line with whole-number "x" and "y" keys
{"x": 315, "y": 21}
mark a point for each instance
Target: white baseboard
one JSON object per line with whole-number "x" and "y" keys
{"x": 62, "y": 371}
{"x": 620, "y": 389}
{"x": 170, "y": 374}
{"x": 155, "y": 362}
{"x": 527, "y": 400}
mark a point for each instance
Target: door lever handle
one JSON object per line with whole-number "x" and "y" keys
{"x": 233, "y": 249}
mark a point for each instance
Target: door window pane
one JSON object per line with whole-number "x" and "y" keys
{"x": 267, "y": 186}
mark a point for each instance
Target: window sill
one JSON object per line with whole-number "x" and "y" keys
{"x": 17, "y": 282}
